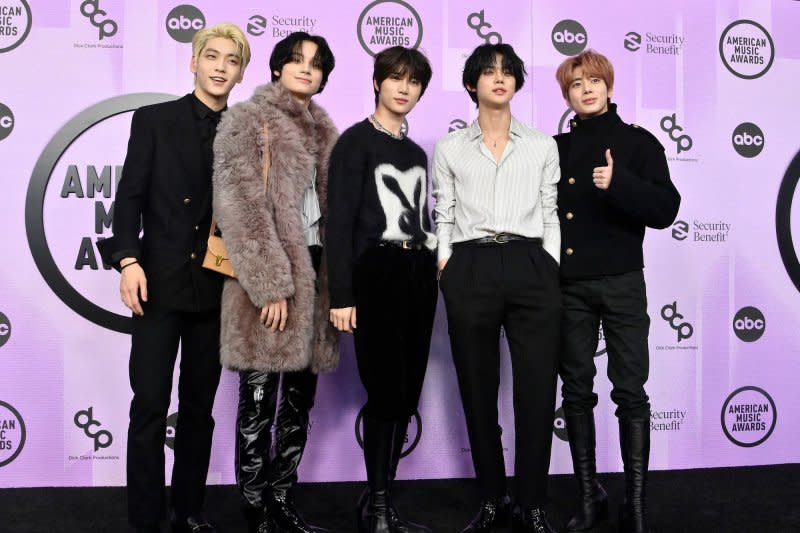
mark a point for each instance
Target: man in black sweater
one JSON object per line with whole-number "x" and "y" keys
{"x": 615, "y": 181}
{"x": 381, "y": 262}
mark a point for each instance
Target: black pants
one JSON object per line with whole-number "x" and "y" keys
{"x": 267, "y": 399}
{"x": 620, "y": 301}
{"x": 513, "y": 286}
{"x": 153, "y": 352}
{"x": 395, "y": 293}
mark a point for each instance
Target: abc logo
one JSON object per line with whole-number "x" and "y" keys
{"x": 172, "y": 423}
{"x": 5, "y": 329}
{"x": 560, "y": 424}
{"x": 749, "y": 324}
{"x": 569, "y": 37}
{"x": 184, "y": 21}
{"x": 6, "y": 121}
{"x": 748, "y": 139}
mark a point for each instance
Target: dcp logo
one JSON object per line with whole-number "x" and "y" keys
{"x": 560, "y": 424}
{"x": 671, "y": 315}
{"x": 5, "y": 329}
{"x": 184, "y": 21}
{"x": 746, "y": 49}
{"x": 569, "y": 37}
{"x": 6, "y": 121}
{"x": 749, "y": 416}
{"x": 749, "y": 324}
{"x": 85, "y": 420}
{"x": 106, "y": 27}
{"x": 15, "y": 23}
{"x": 172, "y": 423}
{"x": 409, "y": 442}
{"x": 476, "y": 22}
{"x": 12, "y": 433}
{"x": 670, "y": 125}
{"x": 747, "y": 139}
{"x": 456, "y": 124}
{"x": 680, "y": 230}
{"x": 256, "y": 25}
{"x": 633, "y": 41}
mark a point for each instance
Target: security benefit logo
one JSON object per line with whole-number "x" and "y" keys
{"x": 15, "y": 23}
{"x": 69, "y": 206}
{"x": 682, "y": 329}
{"x": 12, "y": 433}
{"x": 662, "y": 44}
{"x": 385, "y": 23}
{"x": 667, "y": 420}
{"x": 5, "y": 329}
{"x": 749, "y": 324}
{"x": 749, "y": 416}
{"x": 410, "y": 439}
{"x": 703, "y": 231}
{"x": 184, "y": 21}
{"x": 569, "y": 37}
{"x": 746, "y": 49}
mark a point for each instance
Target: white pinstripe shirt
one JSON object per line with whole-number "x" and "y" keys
{"x": 477, "y": 197}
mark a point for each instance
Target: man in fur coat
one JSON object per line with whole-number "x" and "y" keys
{"x": 270, "y": 190}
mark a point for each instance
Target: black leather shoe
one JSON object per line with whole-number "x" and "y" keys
{"x": 530, "y": 520}
{"x": 397, "y": 524}
{"x": 192, "y": 524}
{"x": 492, "y": 514}
{"x": 282, "y": 514}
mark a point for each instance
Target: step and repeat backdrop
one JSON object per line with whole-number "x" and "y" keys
{"x": 715, "y": 82}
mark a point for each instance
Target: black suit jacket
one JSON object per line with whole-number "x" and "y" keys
{"x": 166, "y": 191}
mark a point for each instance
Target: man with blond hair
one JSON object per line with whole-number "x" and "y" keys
{"x": 166, "y": 188}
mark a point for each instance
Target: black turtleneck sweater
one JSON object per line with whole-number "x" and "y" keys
{"x": 602, "y": 230}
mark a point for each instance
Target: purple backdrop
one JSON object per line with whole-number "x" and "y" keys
{"x": 709, "y": 79}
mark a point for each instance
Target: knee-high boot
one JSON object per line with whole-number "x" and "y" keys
{"x": 634, "y": 436}
{"x": 400, "y": 525}
{"x": 291, "y": 434}
{"x": 379, "y": 439}
{"x": 256, "y": 413}
{"x": 593, "y": 505}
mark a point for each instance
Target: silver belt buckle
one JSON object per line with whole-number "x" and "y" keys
{"x": 405, "y": 245}
{"x": 500, "y": 238}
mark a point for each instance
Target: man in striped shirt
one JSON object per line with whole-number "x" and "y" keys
{"x": 499, "y": 244}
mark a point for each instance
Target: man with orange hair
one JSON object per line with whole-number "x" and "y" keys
{"x": 615, "y": 182}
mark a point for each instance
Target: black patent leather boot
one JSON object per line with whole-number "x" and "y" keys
{"x": 291, "y": 434}
{"x": 257, "y": 397}
{"x": 530, "y": 520}
{"x": 400, "y": 525}
{"x": 593, "y": 505}
{"x": 379, "y": 439}
{"x": 492, "y": 514}
{"x": 634, "y": 435}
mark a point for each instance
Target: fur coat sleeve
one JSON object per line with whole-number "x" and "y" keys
{"x": 245, "y": 216}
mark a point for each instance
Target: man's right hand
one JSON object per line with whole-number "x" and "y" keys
{"x": 133, "y": 284}
{"x": 344, "y": 319}
{"x": 441, "y": 265}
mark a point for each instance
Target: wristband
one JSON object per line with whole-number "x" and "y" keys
{"x": 134, "y": 262}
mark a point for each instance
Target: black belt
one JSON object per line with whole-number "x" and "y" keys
{"x": 501, "y": 238}
{"x": 405, "y": 245}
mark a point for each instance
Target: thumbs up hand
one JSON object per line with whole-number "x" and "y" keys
{"x": 601, "y": 176}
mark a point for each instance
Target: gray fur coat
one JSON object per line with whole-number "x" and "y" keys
{"x": 264, "y": 234}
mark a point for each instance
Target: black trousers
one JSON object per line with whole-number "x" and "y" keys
{"x": 395, "y": 292}
{"x": 153, "y": 352}
{"x": 620, "y": 301}
{"x": 513, "y": 286}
